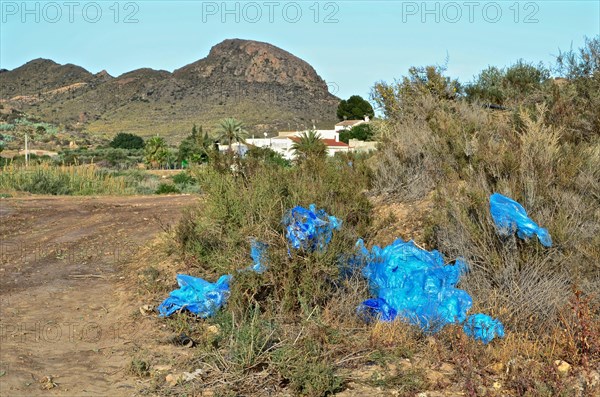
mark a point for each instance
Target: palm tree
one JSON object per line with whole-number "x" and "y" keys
{"x": 156, "y": 151}
{"x": 310, "y": 145}
{"x": 231, "y": 130}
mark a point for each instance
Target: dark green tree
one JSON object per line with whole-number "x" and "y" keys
{"x": 355, "y": 108}
{"x": 196, "y": 147}
{"x": 362, "y": 132}
{"x": 124, "y": 140}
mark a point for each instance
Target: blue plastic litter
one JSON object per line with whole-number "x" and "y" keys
{"x": 197, "y": 296}
{"x": 483, "y": 327}
{"x": 258, "y": 253}
{"x": 413, "y": 284}
{"x": 309, "y": 229}
{"x": 510, "y": 217}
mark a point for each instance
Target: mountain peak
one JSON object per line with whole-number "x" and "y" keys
{"x": 253, "y": 62}
{"x": 266, "y": 87}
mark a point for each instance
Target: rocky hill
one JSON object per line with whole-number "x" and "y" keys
{"x": 265, "y": 86}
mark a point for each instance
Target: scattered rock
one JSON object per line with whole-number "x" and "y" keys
{"x": 562, "y": 367}
{"x": 147, "y": 310}
{"x": 172, "y": 379}
{"x": 189, "y": 376}
{"x": 48, "y": 382}
{"x": 497, "y": 385}
{"x": 161, "y": 368}
{"x": 213, "y": 330}
{"x": 496, "y": 368}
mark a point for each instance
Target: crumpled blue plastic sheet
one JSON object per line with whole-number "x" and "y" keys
{"x": 258, "y": 253}
{"x": 510, "y": 217}
{"x": 413, "y": 284}
{"x": 197, "y": 296}
{"x": 309, "y": 229}
{"x": 483, "y": 327}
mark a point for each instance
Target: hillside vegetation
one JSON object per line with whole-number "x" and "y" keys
{"x": 266, "y": 86}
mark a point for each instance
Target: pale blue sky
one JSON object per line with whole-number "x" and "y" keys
{"x": 351, "y": 44}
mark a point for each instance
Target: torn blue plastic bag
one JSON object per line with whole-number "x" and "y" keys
{"x": 413, "y": 284}
{"x": 197, "y": 296}
{"x": 258, "y": 253}
{"x": 309, "y": 229}
{"x": 510, "y": 217}
{"x": 483, "y": 327}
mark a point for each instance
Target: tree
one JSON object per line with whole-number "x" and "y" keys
{"x": 515, "y": 83}
{"x": 522, "y": 79}
{"x": 362, "y": 132}
{"x": 230, "y": 130}
{"x": 309, "y": 146}
{"x": 156, "y": 151}
{"x": 405, "y": 98}
{"x": 124, "y": 140}
{"x": 487, "y": 87}
{"x": 355, "y": 108}
{"x": 195, "y": 147}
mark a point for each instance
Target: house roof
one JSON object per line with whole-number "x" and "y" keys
{"x": 349, "y": 122}
{"x": 328, "y": 142}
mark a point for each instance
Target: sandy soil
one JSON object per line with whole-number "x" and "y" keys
{"x": 66, "y": 323}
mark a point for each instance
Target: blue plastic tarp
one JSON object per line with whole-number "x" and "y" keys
{"x": 258, "y": 253}
{"x": 309, "y": 229}
{"x": 510, "y": 217}
{"x": 414, "y": 284}
{"x": 483, "y": 327}
{"x": 197, "y": 296}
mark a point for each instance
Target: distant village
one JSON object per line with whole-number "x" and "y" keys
{"x": 283, "y": 142}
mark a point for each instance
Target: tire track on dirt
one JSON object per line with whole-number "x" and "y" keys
{"x": 63, "y": 306}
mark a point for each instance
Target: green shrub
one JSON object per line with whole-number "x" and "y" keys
{"x": 183, "y": 178}
{"x": 250, "y": 202}
{"x": 62, "y": 180}
{"x": 167, "y": 188}
{"x": 125, "y": 140}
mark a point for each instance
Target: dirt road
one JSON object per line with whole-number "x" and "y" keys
{"x": 64, "y": 312}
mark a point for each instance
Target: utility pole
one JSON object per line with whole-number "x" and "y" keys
{"x": 26, "y": 152}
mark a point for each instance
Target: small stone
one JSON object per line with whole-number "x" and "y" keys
{"x": 48, "y": 382}
{"x": 562, "y": 367}
{"x": 172, "y": 379}
{"x": 497, "y": 385}
{"x": 497, "y": 368}
{"x": 146, "y": 310}
{"x": 422, "y": 394}
{"x": 213, "y": 330}
{"x": 189, "y": 376}
{"x": 162, "y": 367}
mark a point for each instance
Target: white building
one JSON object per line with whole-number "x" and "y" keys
{"x": 348, "y": 124}
{"x": 283, "y": 143}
